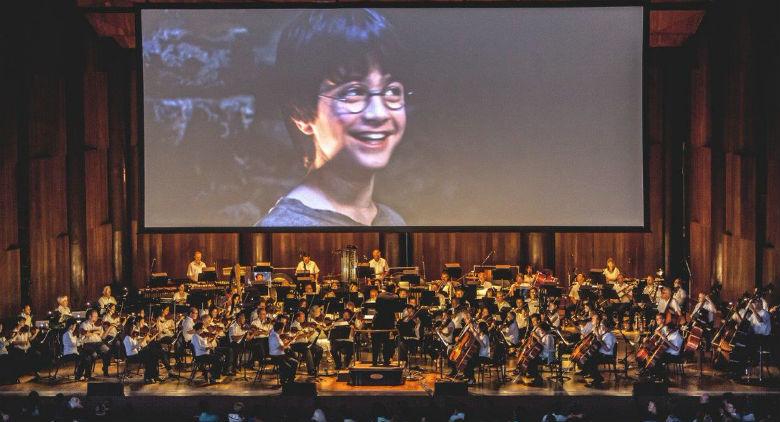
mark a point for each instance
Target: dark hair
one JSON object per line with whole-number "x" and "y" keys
{"x": 278, "y": 325}
{"x": 197, "y": 326}
{"x": 334, "y": 44}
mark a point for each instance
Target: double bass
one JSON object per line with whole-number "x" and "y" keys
{"x": 731, "y": 339}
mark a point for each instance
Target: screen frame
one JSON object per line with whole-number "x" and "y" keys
{"x": 644, "y": 4}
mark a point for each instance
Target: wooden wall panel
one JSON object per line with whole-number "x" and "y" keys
{"x": 468, "y": 249}
{"x": 9, "y": 229}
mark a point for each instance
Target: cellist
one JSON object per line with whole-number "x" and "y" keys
{"x": 673, "y": 341}
{"x": 481, "y": 335}
{"x": 606, "y": 352}
{"x": 541, "y": 334}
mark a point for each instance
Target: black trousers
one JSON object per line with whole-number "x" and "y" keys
{"x": 312, "y": 353}
{"x": 473, "y": 363}
{"x": 406, "y": 345}
{"x": 216, "y": 360}
{"x": 287, "y": 365}
{"x": 102, "y": 351}
{"x": 381, "y": 343}
{"x": 150, "y": 358}
{"x": 25, "y": 361}
{"x": 591, "y": 367}
{"x": 342, "y": 351}
{"x": 83, "y": 363}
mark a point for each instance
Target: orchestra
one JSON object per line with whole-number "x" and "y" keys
{"x": 460, "y": 323}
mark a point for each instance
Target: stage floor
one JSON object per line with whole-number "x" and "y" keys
{"x": 420, "y": 384}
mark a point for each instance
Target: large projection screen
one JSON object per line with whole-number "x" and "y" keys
{"x": 392, "y": 118}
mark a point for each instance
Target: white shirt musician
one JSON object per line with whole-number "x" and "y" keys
{"x": 132, "y": 346}
{"x": 666, "y": 302}
{"x": 63, "y": 308}
{"x": 612, "y": 272}
{"x": 70, "y": 343}
{"x": 307, "y": 264}
{"x": 608, "y": 341}
{"x": 275, "y": 344}
{"x": 676, "y": 340}
{"x": 188, "y": 325}
{"x": 27, "y": 315}
{"x": 196, "y": 266}
{"x": 106, "y": 299}
{"x": 93, "y": 333}
{"x": 180, "y": 297}
{"x": 705, "y": 306}
{"x": 202, "y": 345}
{"x": 512, "y": 332}
{"x": 622, "y": 290}
{"x": 680, "y": 295}
{"x": 379, "y": 264}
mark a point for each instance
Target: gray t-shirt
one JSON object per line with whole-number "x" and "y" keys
{"x": 290, "y": 212}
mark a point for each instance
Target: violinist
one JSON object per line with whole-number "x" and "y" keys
{"x": 311, "y": 352}
{"x": 483, "y": 339}
{"x": 605, "y": 354}
{"x": 501, "y": 302}
{"x": 238, "y": 335}
{"x": 188, "y": 325}
{"x": 92, "y": 338}
{"x": 181, "y": 295}
{"x": 105, "y": 299}
{"x": 111, "y": 323}
{"x": 217, "y": 330}
{"x": 263, "y": 325}
{"x": 529, "y": 276}
{"x": 137, "y": 350}
{"x": 166, "y": 326}
{"x": 409, "y": 333}
{"x": 574, "y": 290}
{"x": 519, "y": 287}
{"x": 342, "y": 349}
{"x": 204, "y": 346}
{"x": 22, "y": 352}
{"x": 70, "y": 351}
{"x": 278, "y": 350}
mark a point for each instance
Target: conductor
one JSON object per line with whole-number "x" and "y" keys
{"x": 387, "y": 304}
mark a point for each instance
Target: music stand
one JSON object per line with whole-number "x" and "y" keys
{"x": 596, "y": 276}
{"x": 428, "y": 298}
{"x": 209, "y": 274}
{"x": 363, "y": 270}
{"x": 454, "y": 270}
{"x": 159, "y": 280}
{"x": 502, "y": 273}
{"x": 412, "y": 278}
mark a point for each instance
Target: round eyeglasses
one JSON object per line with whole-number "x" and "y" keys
{"x": 354, "y": 98}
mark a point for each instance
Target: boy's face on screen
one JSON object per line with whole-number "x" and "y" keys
{"x": 365, "y": 137}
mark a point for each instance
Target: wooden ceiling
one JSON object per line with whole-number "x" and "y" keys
{"x": 672, "y": 22}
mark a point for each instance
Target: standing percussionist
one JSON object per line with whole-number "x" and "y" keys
{"x": 196, "y": 266}
{"x": 307, "y": 265}
{"x": 379, "y": 264}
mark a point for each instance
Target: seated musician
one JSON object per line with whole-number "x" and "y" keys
{"x": 511, "y": 330}
{"x": 501, "y": 302}
{"x": 239, "y": 338}
{"x": 653, "y": 288}
{"x": 308, "y": 265}
{"x": 446, "y": 334}
{"x": 605, "y": 354}
{"x": 518, "y": 288}
{"x": 574, "y": 290}
{"x": 27, "y": 315}
{"x": 93, "y": 337}
{"x": 484, "y": 283}
{"x": 63, "y": 308}
{"x": 217, "y": 328}
{"x": 552, "y": 316}
{"x": 181, "y": 295}
{"x": 540, "y": 332}
{"x": 111, "y": 324}
{"x": 342, "y": 349}
{"x": 666, "y": 303}
{"x": 483, "y": 339}
{"x": 529, "y": 276}
{"x": 105, "y": 299}
{"x": 680, "y": 295}
{"x": 532, "y": 302}
{"x": 25, "y": 357}
{"x": 446, "y": 285}
{"x": 674, "y": 346}
{"x": 166, "y": 325}
{"x": 70, "y": 351}
{"x": 760, "y": 324}
{"x": 188, "y": 325}
{"x": 704, "y": 309}
{"x": 263, "y": 325}
{"x": 623, "y": 290}
{"x": 372, "y": 295}
{"x": 137, "y": 350}
{"x": 311, "y": 352}
{"x": 409, "y": 333}
{"x": 611, "y": 272}
{"x": 204, "y": 346}
{"x": 278, "y": 350}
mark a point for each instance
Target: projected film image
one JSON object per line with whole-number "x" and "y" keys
{"x": 392, "y": 117}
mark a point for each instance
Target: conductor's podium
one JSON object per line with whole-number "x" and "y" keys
{"x": 365, "y": 374}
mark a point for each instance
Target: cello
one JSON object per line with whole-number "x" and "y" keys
{"x": 585, "y": 349}
{"x": 651, "y": 349}
{"x": 532, "y": 348}
{"x": 464, "y": 349}
{"x": 731, "y": 340}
